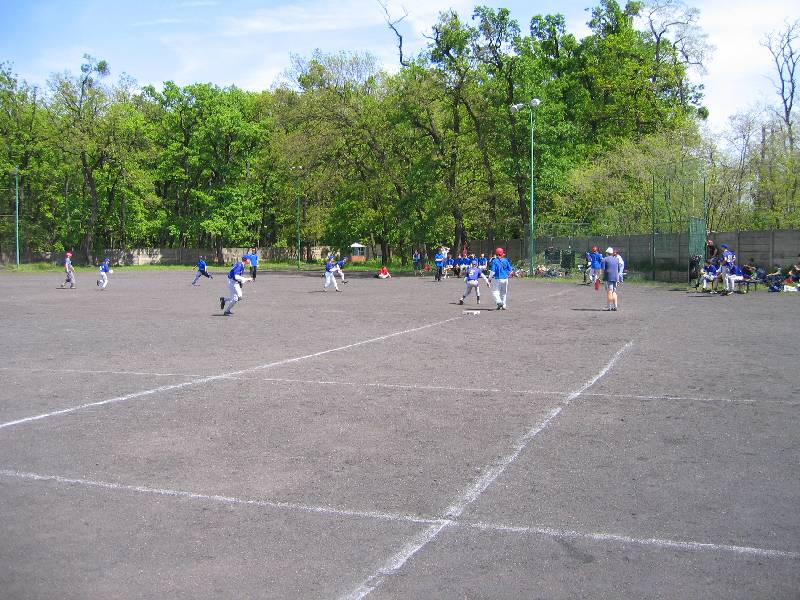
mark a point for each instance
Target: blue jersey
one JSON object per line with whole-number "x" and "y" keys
{"x": 728, "y": 257}
{"x": 473, "y": 274}
{"x": 736, "y": 270}
{"x": 201, "y": 265}
{"x": 416, "y": 258}
{"x": 594, "y": 259}
{"x": 610, "y": 266}
{"x": 329, "y": 266}
{"x": 501, "y": 268}
{"x": 710, "y": 269}
{"x": 236, "y": 271}
{"x": 439, "y": 259}
{"x": 482, "y": 261}
{"x": 253, "y": 259}
{"x": 341, "y": 263}
{"x": 104, "y": 267}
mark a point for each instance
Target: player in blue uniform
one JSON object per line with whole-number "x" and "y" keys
{"x": 236, "y": 278}
{"x": 439, "y": 260}
{"x": 735, "y": 274}
{"x": 340, "y": 264}
{"x": 330, "y": 274}
{"x": 102, "y": 274}
{"x": 708, "y": 275}
{"x": 593, "y": 260}
{"x": 201, "y": 270}
{"x": 472, "y": 278}
{"x": 501, "y": 270}
{"x": 611, "y": 277}
{"x": 253, "y": 255}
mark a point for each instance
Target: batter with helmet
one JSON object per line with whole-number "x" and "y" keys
{"x": 501, "y": 269}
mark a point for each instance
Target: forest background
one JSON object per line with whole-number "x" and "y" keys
{"x": 428, "y": 155}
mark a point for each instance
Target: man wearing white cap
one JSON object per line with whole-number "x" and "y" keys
{"x": 611, "y": 277}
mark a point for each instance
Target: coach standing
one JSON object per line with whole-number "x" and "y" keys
{"x": 611, "y": 277}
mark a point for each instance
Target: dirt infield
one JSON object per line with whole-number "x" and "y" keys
{"x": 380, "y": 443}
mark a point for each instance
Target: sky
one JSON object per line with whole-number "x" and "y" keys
{"x": 249, "y": 43}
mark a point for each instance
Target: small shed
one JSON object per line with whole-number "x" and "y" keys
{"x": 358, "y": 252}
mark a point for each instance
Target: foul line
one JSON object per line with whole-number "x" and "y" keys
{"x": 456, "y": 509}
{"x": 435, "y": 525}
{"x": 444, "y": 388}
{"x": 201, "y": 380}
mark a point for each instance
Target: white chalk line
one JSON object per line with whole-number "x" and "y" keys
{"x": 473, "y": 492}
{"x": 625, "y": 539}
{"x": 294, "y": 506}
{"x": 209, "y": 378}
{"x": 99, "y": 372}
{"x": 435, "y": 525}
{"x": 445, "y": 388}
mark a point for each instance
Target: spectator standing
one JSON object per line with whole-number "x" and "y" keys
{"x": 416, "y": 260}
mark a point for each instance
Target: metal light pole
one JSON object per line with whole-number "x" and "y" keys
{"x": 299, "y": 244}
{"x": 532, "y": 220}
{"x": 16, "y": 212}
{"x": 298, "y": 232}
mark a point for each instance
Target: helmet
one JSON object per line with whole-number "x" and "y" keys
{"x": 499, "y": 252}
{"x": 594, "y": 248}
{"x": 474, "y": 263}
{"x": 68, "y": 255}
{"x": 609, "y": 250}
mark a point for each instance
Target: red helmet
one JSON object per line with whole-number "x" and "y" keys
{"x": 68, "y": 254}
{"x": 499, "y": 252}
{"x": 594, "y": 248}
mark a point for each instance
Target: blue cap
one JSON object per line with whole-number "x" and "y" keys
{"x": 724, "y": 246}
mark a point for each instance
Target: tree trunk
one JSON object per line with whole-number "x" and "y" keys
{"x": 88, "y": 238}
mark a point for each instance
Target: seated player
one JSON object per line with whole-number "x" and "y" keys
{"x": 383, "y": 273}
{"x": 708, "y": 276}
{"x": 733, "y": 276}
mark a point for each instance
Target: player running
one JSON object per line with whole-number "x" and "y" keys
{"x": 474, "y": 274}
{"x": 593, "y": 259}
{"x": 235, "y": 280}
{"x": 201, "y": 270}
{"x": 330, "y": 274}
{"x": 102, "y": 274}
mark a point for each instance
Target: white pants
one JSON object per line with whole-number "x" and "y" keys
{"x": 330, "y": 279}
{"x": 102, "y": 280}
{"x": 473, "y": 285}
{"x": 730, "y": 282}
{"x": 593, "y": 274}
{"x": 500, "y": 291}
{"x": 707, "y": 279}
{"x": 70, "y": 279}
{"x": 235, "y": 291}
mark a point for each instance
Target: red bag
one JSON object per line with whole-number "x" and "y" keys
{"x": 597, "y": 284}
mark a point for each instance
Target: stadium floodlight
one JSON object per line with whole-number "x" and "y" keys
{"x": 515, "y": 108}
{"x": 16, "y": 212}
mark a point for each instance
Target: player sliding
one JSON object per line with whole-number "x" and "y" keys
{"x": 473, "y": 275}
{"x": 235, "y": 281}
